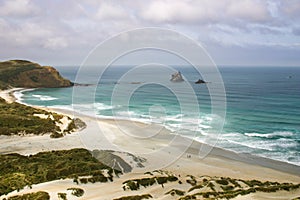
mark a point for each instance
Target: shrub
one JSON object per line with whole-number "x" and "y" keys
{"x": 56, "y": 135}
{"x": 83, "y": 180}
{"x": 41, "y": 195}
{"x": 133, "y": 185}
{"x": 192, "y": 182}
{"x": 222, "y": 181}
{"x": 175, "y": 191}
{"x": 146, "y": 182}
{"x": 235, "y": 183}
{"x": 172, "y": 178}
{"x": 161, "y": 179}
{"x": 78, "y": 192}
{"x": 62, "y": 196}
{"x": 206, "y": 195}
{"x": 252, "y": 183}
{"x": 100, "y": 178}
{"x": 136, "y": 197}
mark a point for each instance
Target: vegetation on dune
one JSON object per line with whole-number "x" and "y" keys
{"x": 174, "y": 192}
{"x": 222, "y": 181}
{"x": 75, "y": 124}
{"x": 135, "y": 184}
{"x": 205, "y": 187}
{"x": 230, "y": 188}
{"x": 191, "y": 180}
{"x": 17, "y": 118}
{"x": 41, "y": 195}
{"x": 62, "y": 196}
{"x": 17, "y": 171}
{"x": 78, "y": 192}
{"x": 26, "y": 74}
{"x": 136, "y": 197}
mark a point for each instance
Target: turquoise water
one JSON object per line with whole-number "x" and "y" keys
{"x": 262, "y": 116}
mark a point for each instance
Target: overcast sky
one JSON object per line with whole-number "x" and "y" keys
{"x": 234, "y": 32}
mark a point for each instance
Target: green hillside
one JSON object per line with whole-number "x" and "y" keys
{"x": 26, "y": 74}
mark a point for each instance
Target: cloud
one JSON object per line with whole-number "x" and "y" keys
{"x": 248, "y": 10}
{"x": 296, "y": 31}
{"x": 109, "y": 11}
{"x": 18, "y": 8}
{"x": 73, "y": 27}
{"x": 24, "y": 34}
{"x": 168, "y": 11}
{"x": 205, "y": 11}
{"x": 291, "y": 8}
{"x": 55, "y": 43}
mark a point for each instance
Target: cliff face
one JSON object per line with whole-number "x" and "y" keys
{"x": 26, "y": 74}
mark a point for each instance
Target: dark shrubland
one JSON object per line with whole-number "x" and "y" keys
{"x": 17, "y": 171}
{"x": 32, "y": 196}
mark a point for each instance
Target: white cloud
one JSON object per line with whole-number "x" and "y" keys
{"x": 168, "y": 11}
{"x": 26, "y": 33}
{"x": 205, "y": 11}
{"x": 108, "y": 11}
{"x": 249, "y": 10}
{"x": 55, "y": 43}
{"x": 80, "y": 25}
{"x": 18, "y": 8}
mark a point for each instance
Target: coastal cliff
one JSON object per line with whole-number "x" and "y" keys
{"x": 26, "y": 74}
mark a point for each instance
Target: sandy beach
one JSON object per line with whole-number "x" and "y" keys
{"x": 8, "y": 94}
{"x": 162, "y": 150}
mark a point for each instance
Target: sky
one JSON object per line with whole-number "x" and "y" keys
{"x": 234, "y": 32}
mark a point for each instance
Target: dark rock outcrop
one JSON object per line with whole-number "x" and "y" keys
{"x": 200, "y": 81}
{"x": 26, "y": 74}
{"x": 176, "y": 77}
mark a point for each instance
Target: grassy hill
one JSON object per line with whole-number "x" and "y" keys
{"x": 26, "y": 74}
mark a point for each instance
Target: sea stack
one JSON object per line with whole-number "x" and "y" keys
{"x": 176, "y": 77}
{"x": 200, "y": 81}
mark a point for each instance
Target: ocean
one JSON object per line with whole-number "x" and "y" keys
{"x": 262, "y": 112}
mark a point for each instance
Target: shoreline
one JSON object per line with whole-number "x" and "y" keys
{"x": 8, "y": 94}
{"x": 196, "y": 146}
{"x": 163, "y": 151}
{"x": 192, "y": 149}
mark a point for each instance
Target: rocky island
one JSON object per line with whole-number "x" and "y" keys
{"x": 27, "y": 74}
{"x": 177, "y": 77}
{"x": 200, "y": 81}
